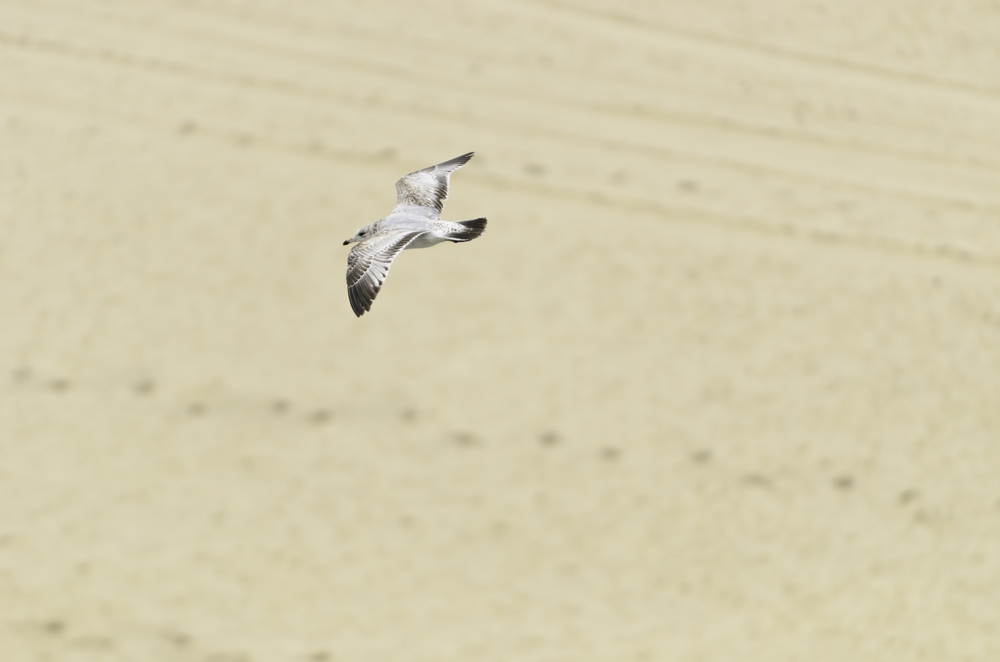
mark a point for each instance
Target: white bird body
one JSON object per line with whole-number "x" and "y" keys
{"x": 415, "y": 222}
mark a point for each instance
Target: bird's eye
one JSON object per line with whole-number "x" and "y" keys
{"x": 362, "y": 233}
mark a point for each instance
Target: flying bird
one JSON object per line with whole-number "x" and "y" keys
{"x": 415, "y": 222}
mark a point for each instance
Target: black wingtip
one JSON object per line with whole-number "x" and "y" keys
{"x": 459, "y": 160}
{"x": 356, "y": 305}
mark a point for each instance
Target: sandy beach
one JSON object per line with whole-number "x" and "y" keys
{"x": 721, "y": 380}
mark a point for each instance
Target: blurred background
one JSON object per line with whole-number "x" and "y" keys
{"x": 721, "y": 381}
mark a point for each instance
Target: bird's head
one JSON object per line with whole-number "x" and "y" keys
{"x": 363, "y": 233}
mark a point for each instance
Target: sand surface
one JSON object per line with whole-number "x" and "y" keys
{"x": 721, "y": 381}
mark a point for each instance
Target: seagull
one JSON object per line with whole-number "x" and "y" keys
{"x": 415, "y": 222}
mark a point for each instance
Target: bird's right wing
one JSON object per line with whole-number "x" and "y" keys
{"x": 368, "y": 265}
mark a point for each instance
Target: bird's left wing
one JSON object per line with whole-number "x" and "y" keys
{"x": 428, "y": 187}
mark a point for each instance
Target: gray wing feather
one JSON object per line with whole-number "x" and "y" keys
{"x": 368, "y": 265}
{"x": 428, "y": 187}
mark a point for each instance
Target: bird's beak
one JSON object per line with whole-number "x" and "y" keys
{"x": 347, "y": 242}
